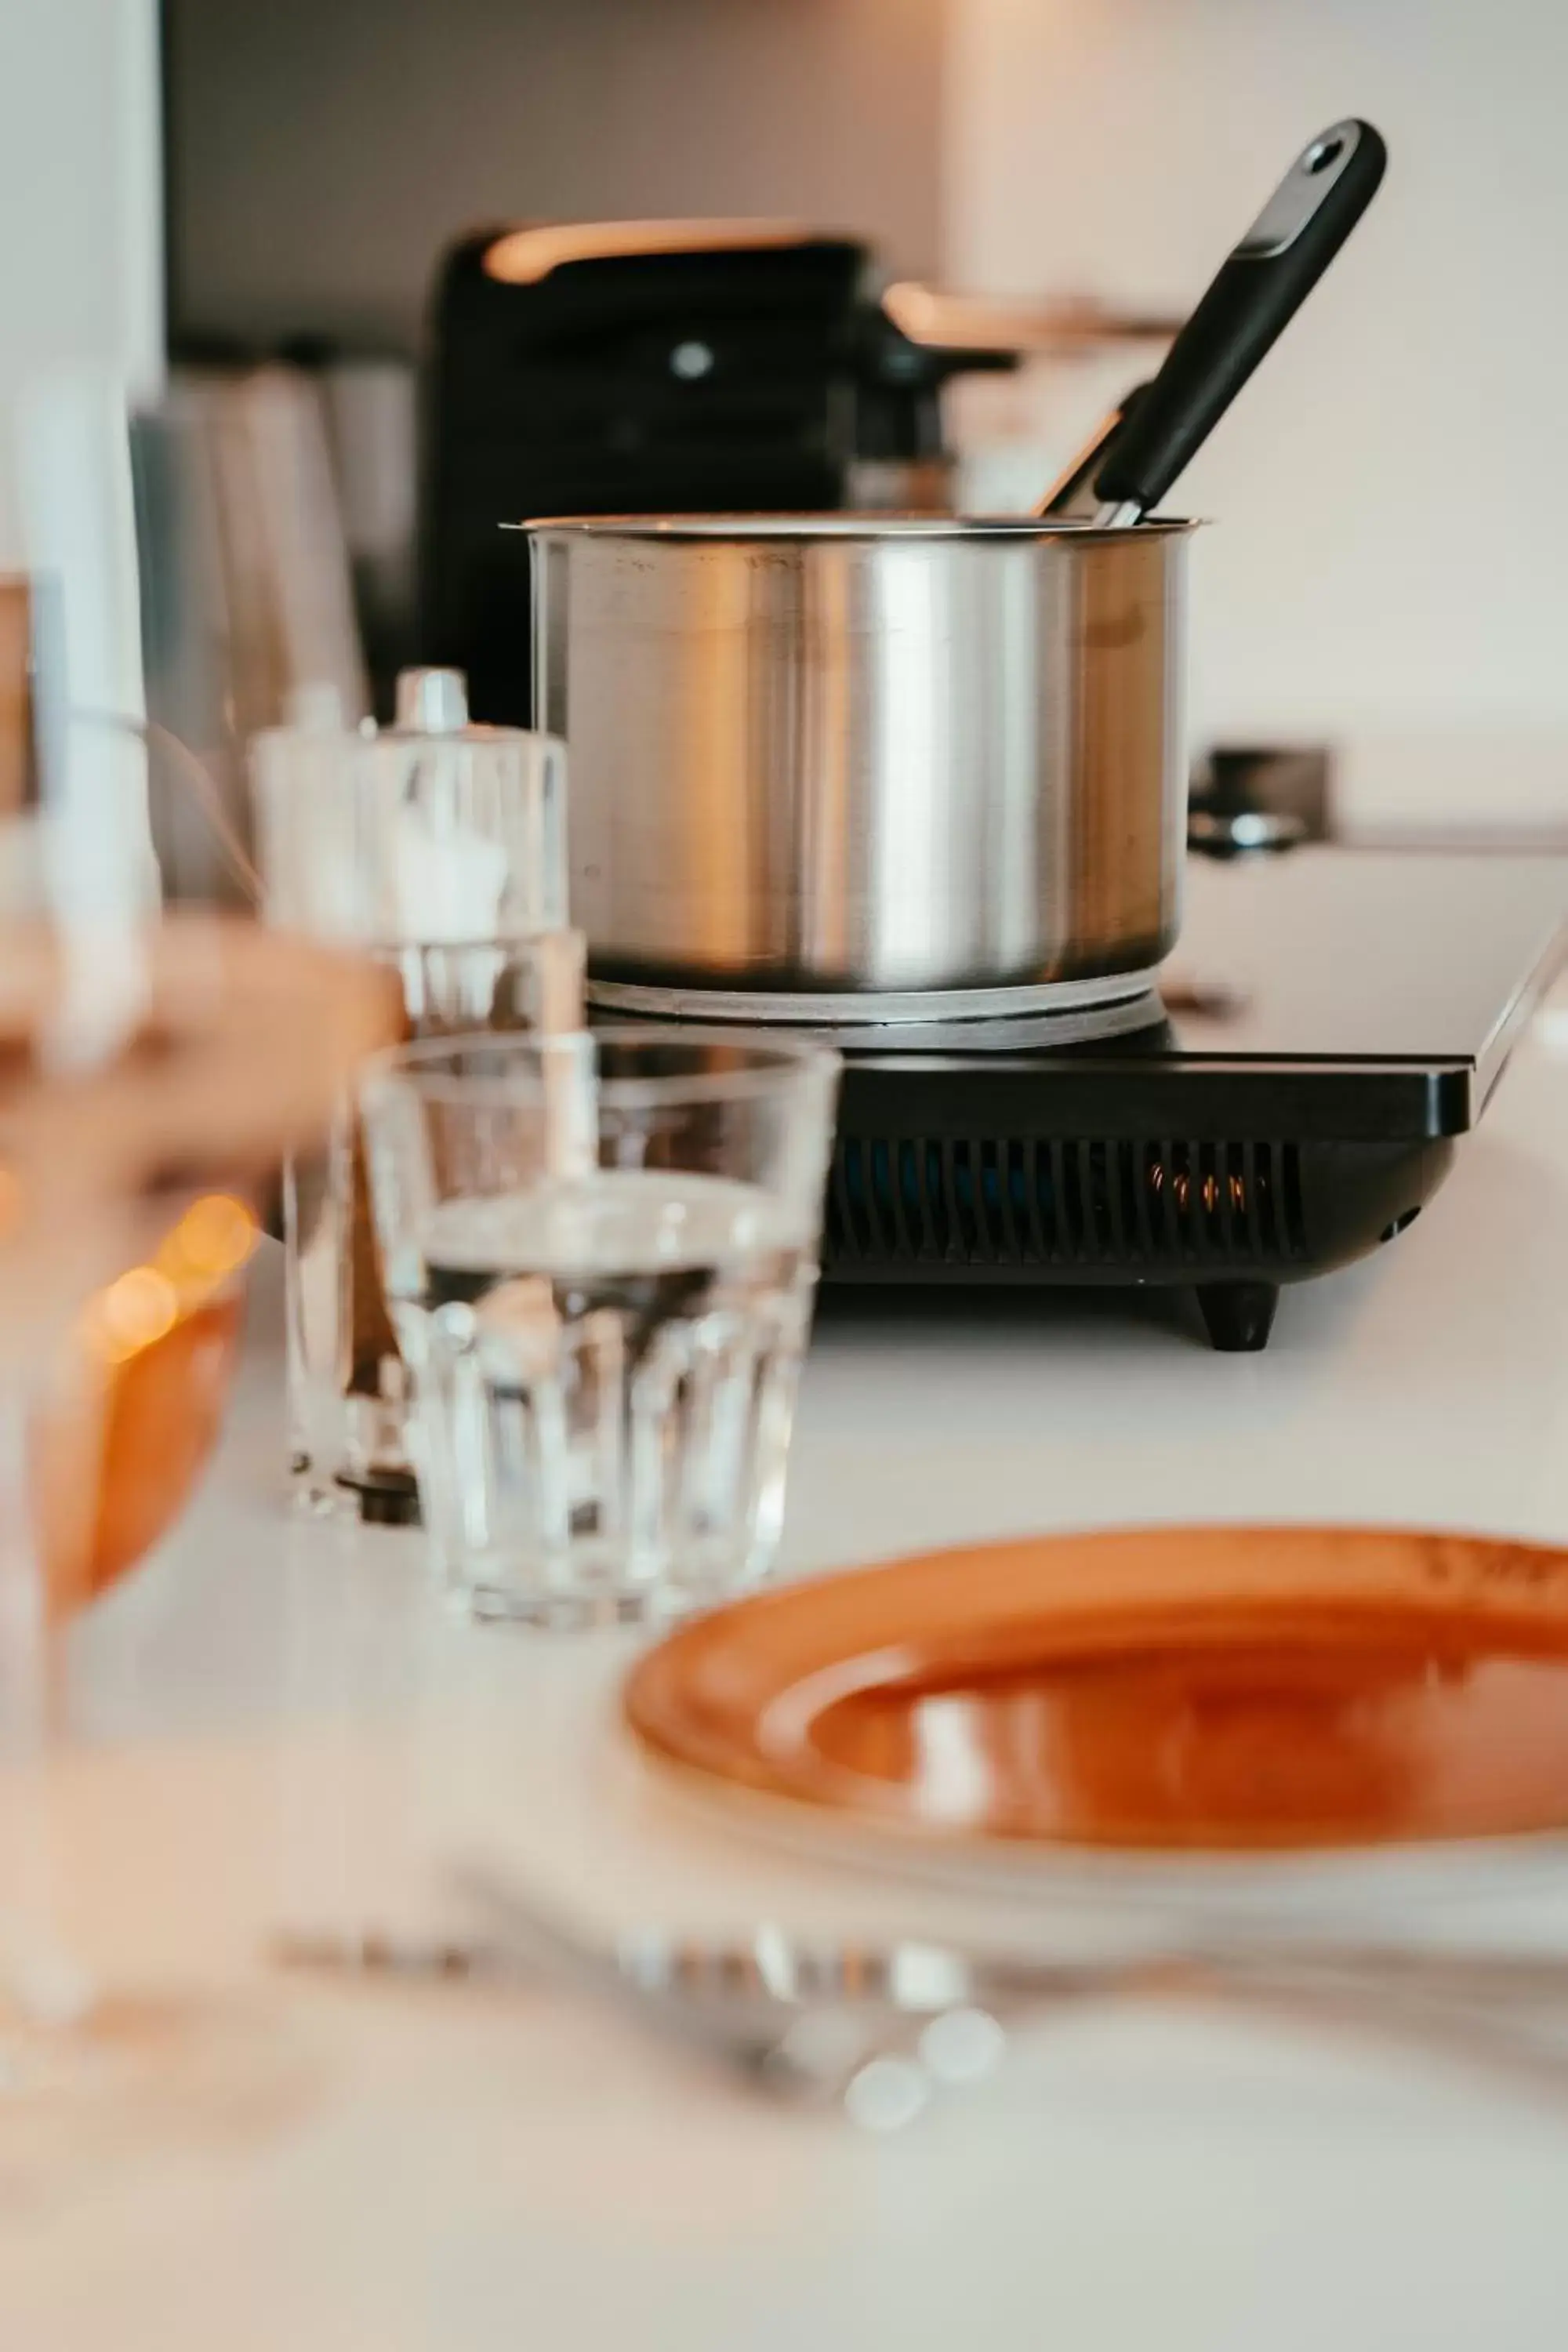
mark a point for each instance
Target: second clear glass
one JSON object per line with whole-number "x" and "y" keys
{"x": 347, "y": 1390}
{"x": 438, "y": 847}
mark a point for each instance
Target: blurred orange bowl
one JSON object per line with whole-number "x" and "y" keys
{"x": 116, "y": 1459}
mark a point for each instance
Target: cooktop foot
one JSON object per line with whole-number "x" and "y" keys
{"x": 1238, "y": 1316}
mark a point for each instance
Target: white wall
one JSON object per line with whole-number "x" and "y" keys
{"x": 1391, "y": 549}
{"x": 81, "y": 201}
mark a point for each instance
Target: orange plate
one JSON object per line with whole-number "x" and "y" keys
{"x": 1187, "y": 1689}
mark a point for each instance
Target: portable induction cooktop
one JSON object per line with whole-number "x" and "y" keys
{"x": 1332, "y": 1023}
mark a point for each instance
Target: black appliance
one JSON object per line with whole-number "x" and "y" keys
{"x": 651, "y": 368}
{"x": 1332, "y": 1023}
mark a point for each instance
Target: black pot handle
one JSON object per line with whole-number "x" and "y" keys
{"x": 1259, "y": 290}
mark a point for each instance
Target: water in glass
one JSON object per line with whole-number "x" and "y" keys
{"x": 612, "y": 1361}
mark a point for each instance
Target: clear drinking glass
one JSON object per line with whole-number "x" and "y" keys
{"x": 439, "y": 848}
{"x": 601, "y": 1254}
{"x": 140, "y": 1061}
{"x": 347, "y": 1390}
{"x": 117, "y": 1319}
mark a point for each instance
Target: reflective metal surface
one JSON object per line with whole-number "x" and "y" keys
{"x": 842, "y": 753}
{"x": 772, "y": 1963}
{"x": 1082, "y": 1009}
{"x": 877, "y": 2030}
{"x": 1245, "y": 832}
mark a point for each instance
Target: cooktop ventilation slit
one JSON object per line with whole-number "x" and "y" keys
{"x": 1294, "y": 1214}
{"x": 1267, "y": 1233}
{"x": 1179, "y": 1192}
{"x": 1169, "y": 1197}
{"x": 1064, "y": 1200}
{"x": 1228, "y": 1180}
{"x": 1037, "y": 1203}
{"x": 957, "y": 1246}
{"x": 935, "y": 1224}
{"x": 849, "y": 1189}
{"x": 960, "y": 1190}
{"x": 1090, "y": 1170}
{"x": 880, "y": 1199}
{"x": 1248, "y": 1204}
{"x": 999, "y": 1241}
{"x": 1141, "y": 1162}
{"x": 838, "y": 1226}
{"x": 1125, "y": 1241}
{"x": 1105, "y": 1190}
{"x": 909, "y": 1222}
{"x": 1204, "y": 1197}
{"x": 1009, "y": 1157}
{"x": 930, "y": 1207}
{"x": 1088, "y": 1211}
{"x": 941, "y": 1209}
{"x": 914, "y": 1192}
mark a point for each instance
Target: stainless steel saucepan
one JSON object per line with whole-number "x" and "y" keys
{"x": 867, "y": 758}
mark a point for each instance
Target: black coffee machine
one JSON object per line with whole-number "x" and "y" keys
{"x": 653, "y": 368}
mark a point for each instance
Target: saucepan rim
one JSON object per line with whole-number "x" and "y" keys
{"x": 807, "y": 529}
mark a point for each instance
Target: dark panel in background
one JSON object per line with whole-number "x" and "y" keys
{"x": 323, "y": 152}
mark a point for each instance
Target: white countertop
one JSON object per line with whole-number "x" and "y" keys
{"x": 282, "y": 1729}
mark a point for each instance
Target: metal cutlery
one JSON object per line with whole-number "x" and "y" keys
{"x": 877, "y": 2030}
{"x": 917, "y": 1978}
{"x": 877, "y": 2062}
